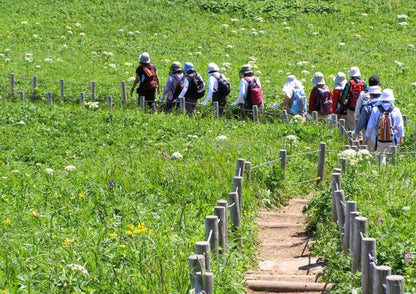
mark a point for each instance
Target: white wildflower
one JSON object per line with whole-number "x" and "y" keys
{"x": 230, "y": 46}
{"x": 403, "y": 24}
{"x": 398, "y": 63}
{"x": 300, "y": 63}
{"x": 49, "y": 171}
{"x": 38, "y": 66}
{"x": 65, "y": 46}
{"x": 305, "y": 72}
{"x": 77, "y": 267}
{"x": 261, "y": 32}
{"x": 8, "y": 50}
{"x": 198, "y": 53}
{"x": 108, "y": 53}
{"x": 137, "y": 32}
{"x": 221, "y": 138}
{"x": 70, "y": 168}
{"x": 112, "y": 65}
{"x": 411, "y": 46}
{"x": 60, "y": 60}
{"x": 7, "y": 59}
{"x": 24, "y": 22}
{"x": 48, "y": 60}
{"x": 121, "y": 30}
{"x": 255, "y": 33}
{"x": 349, "y": 154}
{"x": 341, "y": 44}
{"x": 259, "y": 19}
{"x": 77, "y": 24}
{"x": 35, "y": 36}
{"x": 364, "y": 14}
{"x": 227, "y": 64}
{"x": 364, "y": 154}
{"x": 82, "y": 34}
{"x": 314, "y": 33}
{"x": 225, "y": 26}
{"x": 68, "y": 28}
{"x": 131, "y": 79}
{"x": 128, "y": 64}
{"x": 287, "y": 28}
{"x": 234, "y": 31}
{"x": 292, "y": 138}
{"x": 70, "y": 32}
{"x": 130, "y": 33}
{"x": 358, "y": 36}
{"x": 257, "y": 73}
{"x": 234, "y": 19}
{"x": 242, "y": 29}
{"x": 15, "y": 171}
{"x": 310, "y": 26}
{"x": 406, "y": 208}
{"x": 297, "y": 118}
{"x": 92, "y": 104}
{"x": 402, "y": 16}
{"x": 21, "y": 122}
{"x": 2, "y": 55}
{"x": 414, "y": 84}
{"x": 192, "y": 136}
{"x": 284, "y": 23}
{"x": 176, "y": 155}
{"x": 280, "y": 71}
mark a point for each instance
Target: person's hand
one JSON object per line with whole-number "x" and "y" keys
{"x": 234, "y": 103}
{"x": 158, "y": 90}
{"x": 161, "y": 98}
{"x": 276, "y": 105}
{"x": 203, "y": 103}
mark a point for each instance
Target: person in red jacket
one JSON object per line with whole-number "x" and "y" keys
{"x": 320, "y": 99}
{"x": 340, "y": 81}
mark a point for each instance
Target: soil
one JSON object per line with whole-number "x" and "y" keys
{"x": 284, "y": 264}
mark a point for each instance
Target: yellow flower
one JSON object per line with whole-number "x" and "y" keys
{"x": 5, "y": 292}
{"x": 72, "y": 197}
{"x": 129, "y": 232}
{"x": 34, "y": 214}
{"x": 122, "y": 246}
{"x": 6, "y": 199}
{"x": 113, "y": 235}
{"x": 81, "y": 195}
{"x": 69, "y": 242}
{"x": 130, "y": 226}
{"x": 7, "y": 222}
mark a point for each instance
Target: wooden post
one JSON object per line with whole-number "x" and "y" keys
{"x": 285, "y": 116}
{"x": 351, "y": 206}
{"x": 333, "y": 120}
{"x": 211, "y": 233}
{"x": 123, "y": 92}
{"x": 11, "y": 84}
{"x": 353, "y": 215}
{"x": 340, "y": 202}
{"x": 196, "y": 264}
{"x": 92, "y": 91}
{"x": 343, "y": 163}
{"x": 238, "y": 187}
{"x": 315, "y": 115}
{"x": 360, "y": 227}
{"x": 61, "y": 88}
{"x": 247, "y": 168}
{"x": 346, "y": 147}
{"x": 142, "y": 102}
{"x": 363, "y": 147}
{"x": 22, "y": 96}
{"x": 221, "y": 213}
{"x": 204, "y": 283}
{"x": 202, "y": 247}
{"x": 110, "y": 102}
{"x": 49, "y": 97}
{"x": 216, "y": 109}
{"x": 235, "y": 215}
{"x": 404, "y": 120}
{"x": 381, "y": 272}
{"x": 239, "y": 169}
{"x": 182, "y": 104}
{"x": 341, "y": 124}
{"x": 321, "y": 162}
{"x": 82, "y": 97}
{"x": 34, "y": 82}
{"x": 395, "y": 284}
{"x": 335, "y": 185}
{"x": 368, "y": 254}
{"x": 283, "y": 161}
{"x": 337, "y": 170}
{"x": 224, "y": 203}
{"x": 255, "y": 113}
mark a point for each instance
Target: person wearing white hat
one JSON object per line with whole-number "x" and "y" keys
{"x": 295, "y": 100}
{"x": 214, "y": 78}
{"x": 365, "y": 95}
{"x": 340, "y": 80}
{"x": 374, "y": 93}
{"x": 146, "y": 74}
{"x": 350, "y": 95}
{"x": 393, "y": 133}
{"x": 320, "y": 98}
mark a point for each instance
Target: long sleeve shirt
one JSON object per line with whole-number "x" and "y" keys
{"x": 212, "y": 85}
{"x": 336, "y": 98}
{"x": 243, "y": 90}
{"x": 348, "y": 86}
{"x": 171, "y": 84}
{"x": 365, "y": 116}
{"x": 375, "y": 115}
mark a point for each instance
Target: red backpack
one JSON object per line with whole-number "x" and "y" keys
{"x": 354, "y": 92}
{"x": 149, "y": 82}
{"x": 254, "y": 93}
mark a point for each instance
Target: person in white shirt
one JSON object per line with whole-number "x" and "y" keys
{"x": 247, "y": 76}
{"x": 213, "y": 76}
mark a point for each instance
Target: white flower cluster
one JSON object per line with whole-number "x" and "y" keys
{"x": 77, "y": 267}
{"x": 221, "y": 138}
{"x": 92, "y": 105}
{"x": 176, "y": 155}
{"x": 353, "y": 157}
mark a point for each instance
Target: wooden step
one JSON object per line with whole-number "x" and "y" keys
{"x": 284, "y": 286}
{"x": 282, "y": 277}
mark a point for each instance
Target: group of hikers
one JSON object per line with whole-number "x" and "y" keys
{"x": 370, "y": 112}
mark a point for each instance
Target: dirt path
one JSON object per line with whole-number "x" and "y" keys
{"x": 284, "y": 264}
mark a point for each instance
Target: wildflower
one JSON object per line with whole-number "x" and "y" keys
{"x": 24, "y": 22}
{"x": 49, "y": 171}
{"x": 198, "y": 53}
{"x": 287, "y": 28}
{"x": 193, "y": 136}
{"x": 48, "y": 60}
{"x": 81, "y": 195}
{"x": 379, "y": 219}
{"x": 411, "y": 46}
{"x": 259, "y": 19}
{"x": 341, "y": 44}
{"x": 111, "y": 184}
{"x": 112, "y": 65}
{"x": 21, "y": 122}
{"x": 69, "y": 242}
{"x": 403, "y": 24}
{"x": 82, "y": 34}
{"x": 92, "y": 105}
{"x": 234, "y": 19}
{"x": 79, "y": 268}
{"x": 6, "y": 199}
{"x": 407, "y": 181}
{"x": 70, "y": 32}
{"x": 292, "y": 138}
{"x": 230, "y": 46}
{"x": 7, "y": 222}
{"x": 407, "y": 256}
{"x": 221, "y": 138}
{"x": 129, "y": 232}
{"x": 113, "y": 235}
{"x": 72, "y": 198}
{"x": 315, "y": 33}
{"x": 305, "y": 72}
{"x": 406, "y": 208}
{"x": 402, "y": 16}
{"x": 257, "y": 72}
{"x": 122, "y": 246}
{"x": 131, "y": 79}
{"x": 130, "y": 226}
{"x": 358, "y": 36}
{"x": 364, "y": 14}
{"x": 69, "y": 168}
{"x": 77, "y": 24}
{"x": 108, "y": 53}
{"x": 414, "y": 84}
{"x": 225, "y": 26}
{"x": 141, "y": 228}
{"x": 34, "y": 214}
{"x": 176, "y": 155}
{"x": 398, "y": 63}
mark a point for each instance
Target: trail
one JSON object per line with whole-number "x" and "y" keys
{"x": 284, "y": 265}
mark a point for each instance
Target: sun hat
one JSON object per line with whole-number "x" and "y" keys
{"x": 188, "y": 66}
{"x": 245, "y": 69}
{"x": 176, "y": 65}
{"x": 212, "y": 67}
{"x": 355, "y": 72}
{"x": 374, "y": 90}
{"x": 291, "y": 78}
{"x": 144, "y": 57}
{"x": 318, "y": 78}
{"x": 387, "y": 96}
{"x": 340, "y": 81}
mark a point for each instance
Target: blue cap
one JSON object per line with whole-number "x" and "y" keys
{"x": 188, "y": 66}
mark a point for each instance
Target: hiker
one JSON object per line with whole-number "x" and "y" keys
{"x": 146, "y": 74}
{"x": 340, "y": 81}
{"x": 193, "y": 88}
{"x": 218, "y": 87}
{"x": 364, "y": 97}
{"x": 320, "y": 99}
{"x": 250, "y": 90}
{"x": 350, "y": 95}
{"x": 295, "y": 99}
{"x": 374, "y": 93}
{"x": 174, "y": 86}
{"x": 385, "y": 126}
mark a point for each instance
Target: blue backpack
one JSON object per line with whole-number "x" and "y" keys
{"x": 299, "y": 105}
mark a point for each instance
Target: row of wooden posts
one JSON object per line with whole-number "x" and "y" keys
{"x": 216, "y": 233}
{"x": 352, "y": 226}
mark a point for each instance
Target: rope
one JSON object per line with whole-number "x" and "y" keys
{"x": 304, "y": 153}
{"x": 229, "y": 206}
{"x": 267, "y": 163}
{"x": 343, "y": 204}
{"x": 209, "y": 236}
{"x": 372, "y": 260}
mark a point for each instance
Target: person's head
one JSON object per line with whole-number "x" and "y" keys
{"x": 318, "y": 79}
{"x": 246, "y": 70}
{"x": 387, "y": 96}
{"x": 212, "y": 67}
{"x": 175, "y": 66}
{"x": 144, "y": 58}
{"x": 355, "y": 72}
{"x": 292, "y": 83}
{"x": 374, "y": 92}
{"x": 374, "y": 81}
{"x": 188, "y": 67}
{"x": 340, "y": 81}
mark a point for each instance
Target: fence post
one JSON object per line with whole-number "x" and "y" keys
{"x": 211, "y": 233}
{"x": 238, "y": 187}
{"x": 340, "y": 202}
{"x": 81, "y": 97}
{"x": 202, "y": 247}
{"x": 11, "y": 84}
{"x": 49, "y": 97}
{"x": 34, "y": 82}
{"x": 283, "y": 161}
{"x": 395, "y": 284}
{"x": 285, "y": 116}
{"x": 123, "y": 92}
{"x": 142, "y": 102}
{"x": 92, "y": 91}
{"x": 182, "y": 104}
{"x": 404, "y": 120}
{"x": 22, "y": 96}
{"x": 353, "y": 215}
{"x": 341, "y": 124}
{"x": 360, "y": 226}
{"x": 321, "y": 162}
{"x": 196, "y": 264}
{"x": 351, "y": 206}
{"x": 381, "y": 272}
{"x": 239, "y": 169}
{"x": 368, "y": 254}
{"x": 333, "y": 120}
{"x": 343, "y": 163}
{"x": 110, "y": 102}
{"x": 61, "y": 88}
{"x": 335, "y": 185}
{"x": 247, "y": 168}
{"x": 235, "y": 214}
{"x": 204, "y": 283}
{"x": 255, "y": 113}
{"x": 224, "y": 203}
{"x": 221, "y": 212}
{"x": 315, "y": 115}
{"x": 216, "y": 109}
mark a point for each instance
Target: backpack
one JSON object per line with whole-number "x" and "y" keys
{"x": 299, "y": 105}
{"x": 354, "y": 92}
{"x": 322, "y": 101}
{"x": 196, "y": 87}
{"x": 223, "y": 86}
{"x": 385, "y": 125}
{"x": 254, "y": 94}
{"x": 149, "y": 82}
{"x": 179, "y": 86}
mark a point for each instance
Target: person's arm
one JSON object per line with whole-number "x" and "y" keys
{"x": 157, "y": 82}
{"x": 359, "y": 105}
{"x": 335, "y": 98}
{"x": 242, "y": 94}
{"x": 167, "y": 89}
{"x": 211, "y": 83}
{"x": 185, "y": 88}
{"x": 345, "y": 93}
{"x": 398, "y": 125}
{"x": 312, "y": 99}
{"x": 136, "y": 80}
{"x": 330, "y": 99}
